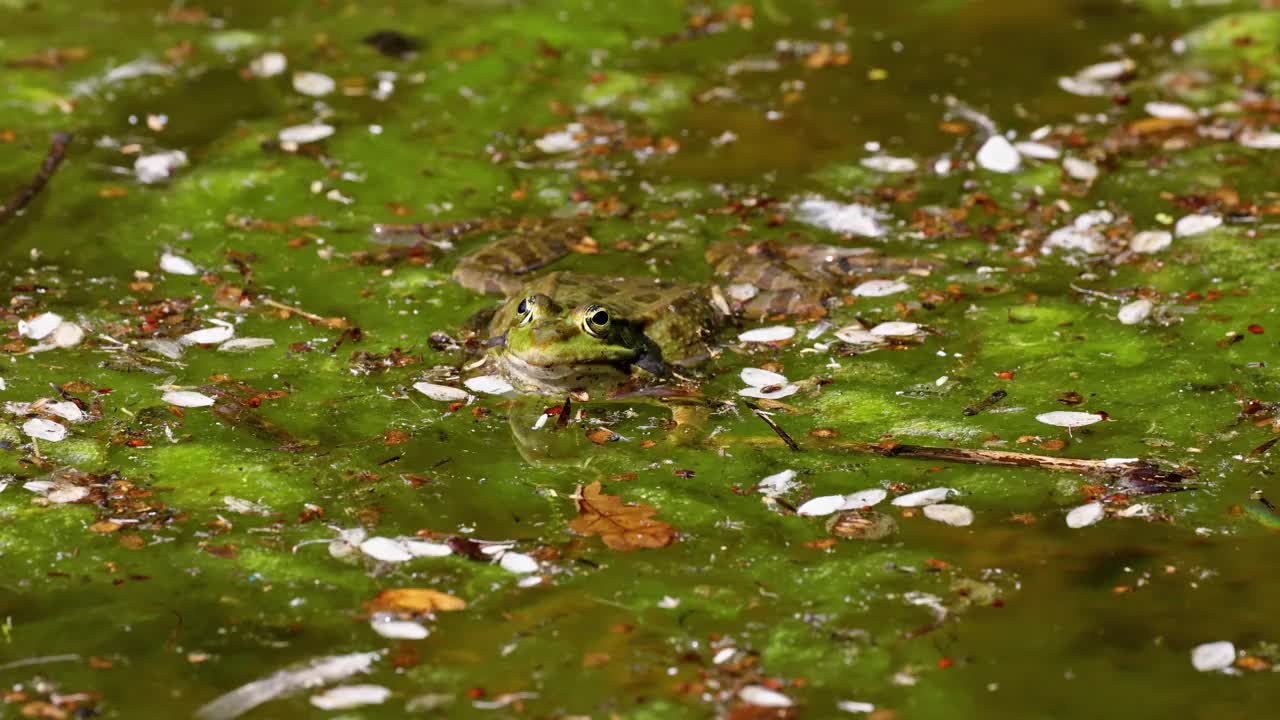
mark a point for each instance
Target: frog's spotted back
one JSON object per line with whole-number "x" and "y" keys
{"x": 499, "y": 267}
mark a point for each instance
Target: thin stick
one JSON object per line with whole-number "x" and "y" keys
{"x": 968, "y": 456}
{"x": 57, "y": 152}
{"x": 329, "y": 322}
{"x": 43, "y": 660}
{"x": 775, "y": 427}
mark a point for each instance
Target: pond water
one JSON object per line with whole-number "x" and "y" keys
{"x": 1089, "y": 189}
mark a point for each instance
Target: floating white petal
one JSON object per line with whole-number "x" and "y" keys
{"x": 778, "y": 483}
{"x": 66, "y": 410}
{"x": 208, "y": 336}
{"x": 854, "y": 706}
{"x": 162, "y": 346}
{"x": 864, "y": 499}
{"x": 922, "y": 498}
{"x": 755, "y": 377}
{"x": 1213, "y": 656}
{"x": 1259, "y": 140}
{"x": 998, "y": 155}
{"x": 772, "y": 333}
{"x": 1037, "y": 151}
{"x": 385, "y": 549}
{"x": 888, "y": 164}
{"x": 67, "y": 334}
{"x": 42, "y": 429}
{"x": 880, "y": 288}
{"x": 1151, "y": 241}
{"x": 957, "y": 515}
{"x": 443, "y": 393}
{"x": 386, "y": 625}
{"x": 1073, "y": 238}
{"x": 560, "y": 142}
{"x": 819, "y": 506}
{"x": 317, "y": 672}
{"x": 858, "y": 335}
{"x": 313, "y": 83}
{"x": 38, "y": 327}
{"x": 1109, "y": 70}
{"x": 303, "y": 134}
{"x": 425, "y": 548}
{"x": 1135, "y": 312}
{"x": 518, "y": 563}
{"x": 488, "y": 384}
{"x": 1082, "y": 87}
{"x": 1082, "y": 170}
{"x": 154, "y": 168}
{"x": 1068, "y": 418}
{"x": 761, "y": 696}
{"x": 269, "y": 64}
{"x": 350, "y": 696}
{"x": 63, "y": 493}
{"x": 177, "y": 265}
{"x": 245, "y": 344}
{"x": 896, "y": 329}
{"x": 187, "y": 398}
{"x": 1085, "y": 515}
{"x": 1196, "y": 224}
{"x": 851, "y": 219}
{"x": 1169, "y": 111}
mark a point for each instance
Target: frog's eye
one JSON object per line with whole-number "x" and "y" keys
{"x": 525, "y": 310}
{"x": 596, "y": 321}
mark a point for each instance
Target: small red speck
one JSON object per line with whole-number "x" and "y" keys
{"x": 997, "y": 603}
{"x": 598, "y": 77}
{"x": 553, "y": 411}
{"x": 1193, "y": 296}
{"x": 104, "y": 391}
{"x": 1102, "y": 414}
{"x": 1121, "y": 100}
{"x": 944, "y": 663}
{"x": 1256, "y": 329}
{"x": 455, "y": 407}
{"x": 1005, "y": 374}
{"x": 136, "y": 443}
{"x": 476, "y": 693}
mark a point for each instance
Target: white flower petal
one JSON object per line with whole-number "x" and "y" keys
{"x": 245, "y": 344}
{"x": 1068, "y": 418}
{"x": 488, "y": 384}
{"x": 1196, "y": 224}
{"x": 303, "y": 134}
{"x": 778, "y": 483}
{"x": 1259, "y": 140}
{"x": 888, "y": 164}
{"x": 42, "y": 429}
{"x": 761, "y": 696}
{"x": 755, "y": 377}
{"x": 1037, "y": 151}
{"x": 1109, "y": 70}
{"x": 442, "y": 393}
{"x": 1078, "y": 169}
{"x": 864, "y": 499}
{"x": 1085, "y": 515}
{"x": 858, "y": 335}
{"x": 67, "y": 334}
{"x": 923, "y": 498}
{"x": 385, "y": 549}
{"x": 269, "y": 64}
{"x": 1151, "y": 241}
{"x": 313, "y": 83}
{"x": 850, "y": 219}
{"x": 350, "y": 696}
{"x": 1135, "y": 312}
{"x": 187, "y": 398}
{"x": 38, "y": 327}
{"x": 819, "y": 506}
{"x": 177, "y": 265}
{"x": 1170, "y": 111}
{"x": 64, "y": 493}
{"x": 208, "y": 336}
{"x": 998, "y": 155}
{"x": 896, "y": 329}
{"x": 561, "y": 141}
{"x": 425, "y": 548}
{"x": 957, "y": 515}
{"x": 773, "y": 333}
{"x": 386, "y": 625}
{"x": 518, "y": 563}
{"x": 880, "y": 288}
{"x": 1213, "y": 656}
{"x": 156, "y": 167}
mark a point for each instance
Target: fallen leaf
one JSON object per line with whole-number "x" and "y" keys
{"x": 415, "y": 600}
{"x": 622, "y": 526}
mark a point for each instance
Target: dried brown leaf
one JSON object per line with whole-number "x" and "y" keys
{"x": 621, "y": 525}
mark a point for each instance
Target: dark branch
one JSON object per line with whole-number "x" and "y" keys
{"x": 57, "y": 152}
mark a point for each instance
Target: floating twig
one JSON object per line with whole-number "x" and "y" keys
{"x": 774, "y": 426}
{"x": 57, "y": 152}
{"x": 337, "y": 323}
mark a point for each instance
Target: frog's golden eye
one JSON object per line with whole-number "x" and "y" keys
{"x": 595, "y": 320}
{"x": 525, "y": 310}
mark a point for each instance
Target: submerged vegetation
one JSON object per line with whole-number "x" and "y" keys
{"x": 967, "y": 407}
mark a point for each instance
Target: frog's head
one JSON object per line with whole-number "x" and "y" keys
{"x": 554, "y": 347}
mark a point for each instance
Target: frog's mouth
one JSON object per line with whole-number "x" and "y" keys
{"x": 554, "y": 377}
